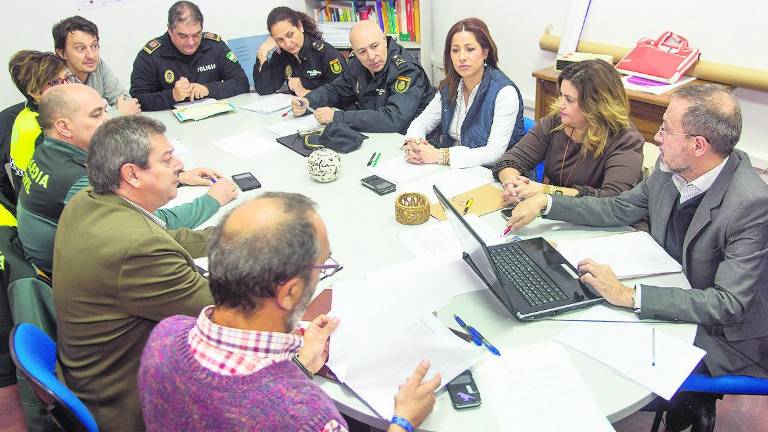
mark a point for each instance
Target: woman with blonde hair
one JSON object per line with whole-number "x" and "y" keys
{"x": 587, "y": 143}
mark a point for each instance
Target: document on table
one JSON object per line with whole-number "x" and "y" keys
{"x": 657, "y": 361}
{"x": 451, "y": 182}
{"x": 199, "y": 102}
{"x": 630, "y": 255}
{"x": 440, "y": 238}
{"x": 247, "y": 144}
{"x": 269, "y": 104}
{"x": 373, "y": 353}
{"x": 296, "y": 124}
{"x": 398, "y": 170}
{"x": 537, "y": 388}
{"x": 202, "y": 111}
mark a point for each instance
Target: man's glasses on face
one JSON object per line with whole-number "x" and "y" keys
{"x": 329, "y": 268}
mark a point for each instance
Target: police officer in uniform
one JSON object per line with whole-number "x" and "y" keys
{"x": 389, "y": 87}
{"x": 299, "y": 56}
{"x": 185, "y": 64}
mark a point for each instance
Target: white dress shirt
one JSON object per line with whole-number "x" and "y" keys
{"x": 504, "y": 116}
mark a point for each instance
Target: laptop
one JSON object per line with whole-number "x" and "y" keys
{"x": 529, "y": 277}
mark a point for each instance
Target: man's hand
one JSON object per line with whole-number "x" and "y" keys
{"x": 197, "y": 91}
{"x": 314, "y": 353}
{"x": 527, "y": 211}
{"x": 199, "y": 176}
{"x": 224, "y": 191}
{"x": 324, "y": 115}
{"x": 604, "y": 281}
{"x": 299, "y": 106}
{"x": 294, "y": 83}
{"x": 181, "y": 89}
{"x": 415, "y": 399}
{"x": 128, "y": 106}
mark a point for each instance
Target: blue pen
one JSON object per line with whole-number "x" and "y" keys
{"x": 476, "y": 336}
{"x": 213, "y": 180}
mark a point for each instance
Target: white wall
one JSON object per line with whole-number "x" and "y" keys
{"x": 730, "y": 33}
{"x": 123, "y": 28}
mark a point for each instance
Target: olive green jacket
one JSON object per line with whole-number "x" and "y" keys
{"x": 116, "y": 273}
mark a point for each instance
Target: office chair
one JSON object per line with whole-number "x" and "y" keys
{"x": 537, "y": 173}
{"x": 724, "y": 384}
{"x": 34, "y": 354}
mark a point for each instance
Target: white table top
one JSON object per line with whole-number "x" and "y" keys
{"x": 363, "y": 235}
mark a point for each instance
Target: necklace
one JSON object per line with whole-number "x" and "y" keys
{"x": 562, "y": 163}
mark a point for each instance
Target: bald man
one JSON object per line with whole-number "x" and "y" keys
{"x": 69, "y": 116}
{"x": 385, "y": 84}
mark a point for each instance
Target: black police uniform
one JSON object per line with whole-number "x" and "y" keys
{"x": 320, "y": 63}
{"x": 387, "y": 101}
{"x": 159, "y": 64}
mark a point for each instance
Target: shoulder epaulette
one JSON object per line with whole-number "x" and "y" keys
{"x": 152, "y": 46}
{"x": 318, "y": 45}
{"x": 212, "y": 36}
{"x": 398, "y": 61}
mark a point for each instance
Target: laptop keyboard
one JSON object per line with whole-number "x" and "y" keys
{"x": 520, "y": 270}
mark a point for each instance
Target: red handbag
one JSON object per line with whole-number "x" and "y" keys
{"x": 664, "y": 59}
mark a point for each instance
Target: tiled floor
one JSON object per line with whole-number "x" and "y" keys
{"x": 734, "y": 414}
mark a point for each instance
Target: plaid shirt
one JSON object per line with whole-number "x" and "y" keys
{"x": 232, "y": 352}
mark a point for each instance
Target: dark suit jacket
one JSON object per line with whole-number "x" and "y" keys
{"x": 115, "y": 275}
{"x": 724, "y": 258}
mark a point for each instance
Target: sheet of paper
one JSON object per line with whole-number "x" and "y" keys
{"x": 199, "y": 102}
{"x": 632, "y": 254}
{"x": 537, "y": 388}
{"x": 247, "y": 144}
{"x": 269, "y": 104}
{"x": 202, "y": 111}
{"x": 451, "y": 182}
{"x": 293, "y": 125}
{"x": 398, "y": 170}
{"x": 440, "y": 238}
{"x": 649, "y": 358}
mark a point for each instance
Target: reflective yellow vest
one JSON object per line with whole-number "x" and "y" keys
{"x": 25, "y": 131}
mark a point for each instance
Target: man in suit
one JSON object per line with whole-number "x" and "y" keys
{"x": 118, "y": 270}
{"x": 707, "y": 207}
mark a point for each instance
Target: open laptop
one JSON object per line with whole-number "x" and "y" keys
{"x": 529, "y": 277}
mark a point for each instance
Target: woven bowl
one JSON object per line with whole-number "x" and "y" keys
{"x": 411, "y": 208}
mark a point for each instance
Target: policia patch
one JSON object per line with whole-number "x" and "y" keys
{"x": 402, "y": 83}
{"x": 288, "y": 71}
{"x": 335, "y": 66}
{"x": 169, "y": 76}
{"x": 231, "y": 57}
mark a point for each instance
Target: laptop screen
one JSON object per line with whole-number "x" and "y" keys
{"x": 470, "y": 241}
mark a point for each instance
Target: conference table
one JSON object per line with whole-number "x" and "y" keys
{"x": 363, "y": 235}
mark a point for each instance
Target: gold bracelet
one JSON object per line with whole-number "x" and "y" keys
{"x": 552, "y": 190}
{"x": 444, "y": 157}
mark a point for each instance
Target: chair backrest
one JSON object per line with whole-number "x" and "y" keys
{"x": 528, "y": 124}
{"x": 34, "y": 354}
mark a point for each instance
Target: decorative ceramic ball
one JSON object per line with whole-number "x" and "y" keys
{"x": 324, "y": 165}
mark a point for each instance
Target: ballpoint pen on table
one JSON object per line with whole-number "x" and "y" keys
{"x": 653, "y": 346}
{"x": 478, "y": 338}
{"x": 468, "y": 205}
{"x": 370, "y": 161}
{"x": 376, "y": 161}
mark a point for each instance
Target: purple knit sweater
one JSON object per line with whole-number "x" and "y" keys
{"x": 178, "y": 394}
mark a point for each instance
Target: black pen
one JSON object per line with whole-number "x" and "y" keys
{"x": 370, "y": 161}
{"x": 653, "y": 346}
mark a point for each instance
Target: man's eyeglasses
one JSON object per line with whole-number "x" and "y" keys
{"x": 664, "y": 132}
{"x": 329, "y": 268}
{"x": 68, "y": 79}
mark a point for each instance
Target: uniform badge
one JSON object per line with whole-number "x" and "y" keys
{"x": 335, "y": 66}
{"x": 357, "y": 87}
{"x": 288, "y": 71}
{"x": 169, "y": 76}
{"x": 152, "y": 46}
{"x": 399, "y": 61}
{"x": 231, "y": 56}
{"x": 318, "y": 45}
{"x": 380, "y": 92}
{"x": 212, "y": 36}
{"x": 402, "y": 83}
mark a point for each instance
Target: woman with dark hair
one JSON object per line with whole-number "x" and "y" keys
{"x": 295, "y": 52}
{"x": 479, "y": 110}
{"x": 587, "y": 143}
{"x": 33, "y": 72}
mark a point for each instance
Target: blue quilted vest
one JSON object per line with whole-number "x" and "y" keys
{"x": 477, "y": 125}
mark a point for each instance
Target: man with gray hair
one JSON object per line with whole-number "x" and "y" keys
{"x": 69, "y": 116}
{"x": 185, "y": 64}
{"x": 118, "y": 270}
{"x": 266, "y": 258}
{"x": 707, "y": 207}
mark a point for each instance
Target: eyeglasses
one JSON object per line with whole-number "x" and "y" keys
{"x": 330, "y": 268}
{"x": 664, "y": 132}
{"x": 68, "y": 79}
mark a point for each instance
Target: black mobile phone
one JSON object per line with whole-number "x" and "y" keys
{"x": 378, "y": 185}
{"x": 463, "y": 391}
{"x": 246, "y": 181}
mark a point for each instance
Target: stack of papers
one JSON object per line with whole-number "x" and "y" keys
{"x": 269, "y": 104}
{"x": 245, "y": 145}
{"x": 294, "y": 125}
{"x": 649, "y": 358}
{"x": 202, "y": 110}
{"x": 630, "y": 255}
{"x": 336, "y": 33}
{"x": 537, "y": 388}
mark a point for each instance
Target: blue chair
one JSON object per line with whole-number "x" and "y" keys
{"x": 538, "y": 173}
{"x": 721, "y": 385}
{"x": 34, "y": 354}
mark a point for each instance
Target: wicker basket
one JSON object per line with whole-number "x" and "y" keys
{"x": 412, "y": 208}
